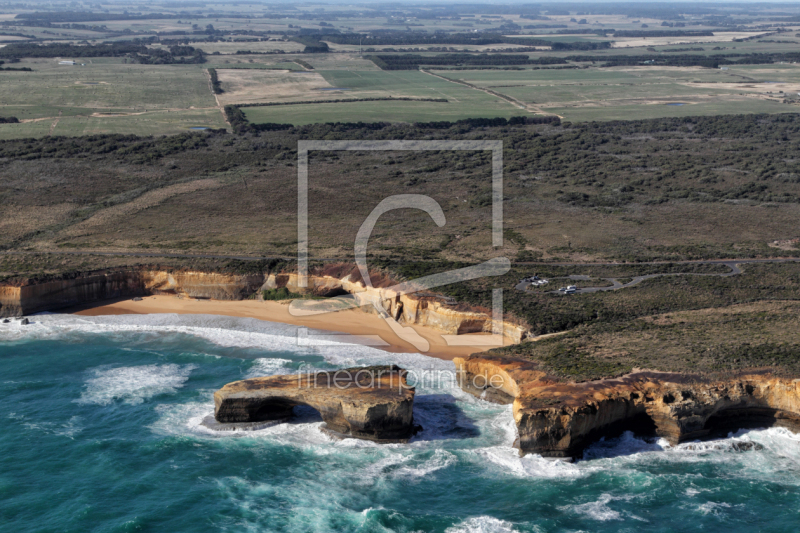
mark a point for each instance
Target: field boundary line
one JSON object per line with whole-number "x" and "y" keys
{"x": 510, "y": 99}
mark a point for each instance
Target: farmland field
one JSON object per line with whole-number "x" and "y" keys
{"x": 644, "y": 92}
{"x": 106, "y": 96}
{"x": 383, "y": 111}
{"x": 462, "y": 101}
{"x": 157, "y": 122}
{"x": 261, "y": 46}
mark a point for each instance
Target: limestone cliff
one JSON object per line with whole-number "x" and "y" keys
{"x": 35, "y": 297}
{"x": 557, "y": 419}
{"x": 430, "y": 310}
{"x": 56, "y": 294}
{"x": 373, "y": 403}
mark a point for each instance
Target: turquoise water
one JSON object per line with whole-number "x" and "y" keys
{"x": 101, "y": 432}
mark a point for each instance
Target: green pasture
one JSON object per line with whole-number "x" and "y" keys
{"x": 419, "y": 85}
{"x": 102, "y": 86}
{"x": 645, "y": 111}
{"x": 141, "y": 99}
{"x": 150, "y": 123}
{"x": 381, "y": 111}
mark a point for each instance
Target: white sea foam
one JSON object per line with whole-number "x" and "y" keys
{"x": 269, "y": 366}
{"x": 532, "y": 465}
{"x": 482, "y": 524}
{"x": 441, "y": 459}
{"x": 714, "y": 508}
{"x": 598, "y": 510}
{"x": 64, "y": 429}
{"x": 227, "y": 332}
{"x": 134, "y": 384}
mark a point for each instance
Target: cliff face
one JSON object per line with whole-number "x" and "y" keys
{"x": 558, "y": 419}
{"x": 407, "y": 309}
{"x": 58, "y": 294}
{"x": 201, "y": 284}
{"x": 63, "y": 293}
{"x": 373, "y": 403}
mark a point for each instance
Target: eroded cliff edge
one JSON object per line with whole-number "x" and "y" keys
{"x": 559, "y": 419}
{"x": 425, "y": 310}
{"x": 373, "y": 403}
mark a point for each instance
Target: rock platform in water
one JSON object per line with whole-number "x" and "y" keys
{"x": 373, "y": 403}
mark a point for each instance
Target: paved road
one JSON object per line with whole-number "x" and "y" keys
{"x": 616, "y": 284}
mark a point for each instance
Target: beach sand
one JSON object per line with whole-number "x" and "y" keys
{"x": 352, "y": 321}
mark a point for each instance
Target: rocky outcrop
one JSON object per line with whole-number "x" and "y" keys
{"x": 373, "y": 403}
{"x": 557, "y": 419}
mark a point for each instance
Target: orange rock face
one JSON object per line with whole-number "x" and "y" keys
{"x": 405, "y": 308}
{"x": 557, "y": 419}
{"x": 373, "y": 403}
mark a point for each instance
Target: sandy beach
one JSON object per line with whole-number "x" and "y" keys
{"x": 353, "y": 322}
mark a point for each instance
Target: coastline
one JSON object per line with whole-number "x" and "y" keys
{"x": 351, "y": 321}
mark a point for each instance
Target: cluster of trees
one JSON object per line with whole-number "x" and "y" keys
{"x": 9, "y": 120}
{"x": 489, "y": 122}
{"x": 689, "y": 60}
{"x": 414, "y": 61}
{"x": 215, "y": 84}
{"x": 117, "y": 49}
{"x": 48, "y": 18}
{"x": 418, "y": 38}
{"x": 579, "y": 45}
{"x": 130, "y": 147}
{"x": 134, "y": 50}
{"x": 312, "y": 44}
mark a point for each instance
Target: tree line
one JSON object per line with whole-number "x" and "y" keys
{"x": 134, "y": 50}
{"x": 414, "y": 61}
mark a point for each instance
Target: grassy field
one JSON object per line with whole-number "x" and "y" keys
{"x": 644, "y": 92}
{"x": 159, "y": 122}
{"x": 109, "y": 95}
{"x": 374, "y": 112}
{"x": 463, "y": 102}
{"x": 691, "y": 108}
{"x": 102, "y": 85}
{"x": 106, "y": 96}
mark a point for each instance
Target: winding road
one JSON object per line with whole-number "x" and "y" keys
{"x": 616, "y": 284}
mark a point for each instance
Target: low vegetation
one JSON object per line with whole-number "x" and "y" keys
{"x": 713, "y": 342}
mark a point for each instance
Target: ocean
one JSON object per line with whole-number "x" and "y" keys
{"x": 102, "y": 432}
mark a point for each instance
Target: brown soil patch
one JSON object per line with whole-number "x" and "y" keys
{"x": 257, "y": 86}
